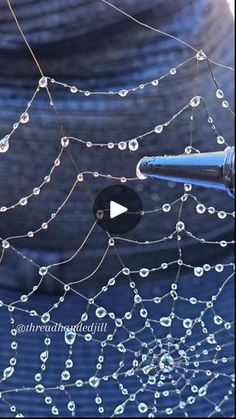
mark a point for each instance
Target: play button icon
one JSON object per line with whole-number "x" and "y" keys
{"x": 118, "y": 209}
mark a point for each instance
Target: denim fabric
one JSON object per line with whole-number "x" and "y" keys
{"x": 85, "y": 354}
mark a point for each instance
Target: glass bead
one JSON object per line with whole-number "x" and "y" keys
{"x": 126, "y": 271}
{"x": 144, "y": 272}
{"x": 195, "y": 101}
{"x": 24, "y": 118}
{"x": 36, "y": 191}
{"x": 70, "y": 336}
{"x": 23, "y": 201}
{"x": 45, "y": 317}
{"x": 4, "y": 145}
{"x": 166, "y": 363}
{"x": 123, "y": 93}
{"x": 5, "y": 244}
{"x": 94, "y": 382}
{"x": 133, "y": 145}
{"x": 220, "y": 139}
{"x": 187, "y": 187}
{"x": 158, "y": 129}
{"x": 201, "y": 56}
{"x": 155, "y": 82}
{"x": 165, "y": 321}
{"x": 166, "y": 207}
{"x": 180, "y": 226}
{"x": 65, "y": 142}
{"x": 73, "y": 89}
{"x": 43, "y": 82}
{"x": 142, "y": 407}
{"x": 198, "y": 271}
{"x": 219, "y": 94}
{"x": 100, "y": 312}
{"x": 39, "y": 388}
{"x": 173, "y": 71}
{"x": 122, "y": 145}
{"x": 80, "y": 177}
{"x": 187, "y": 323}
{"x": 200, "y": 208}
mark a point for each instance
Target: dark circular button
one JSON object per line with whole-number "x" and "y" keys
{"x": 118, "y": 209}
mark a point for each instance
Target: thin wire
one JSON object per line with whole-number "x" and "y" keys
{"x": 42, "y": 74}
{"x": 162, "y": 33}
{"x": 148, "y": 26}
{"x": 24, "y": 37}
{"x": 221, "y": 65}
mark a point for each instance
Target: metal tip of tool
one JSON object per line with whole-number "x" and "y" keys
{"x": 210, "y": 170}
{"x": 139, "y": 174}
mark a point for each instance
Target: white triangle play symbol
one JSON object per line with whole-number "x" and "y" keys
{"x": 116, "y": 209}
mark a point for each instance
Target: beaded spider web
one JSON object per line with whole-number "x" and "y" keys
{"x": 157, "y": 366}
